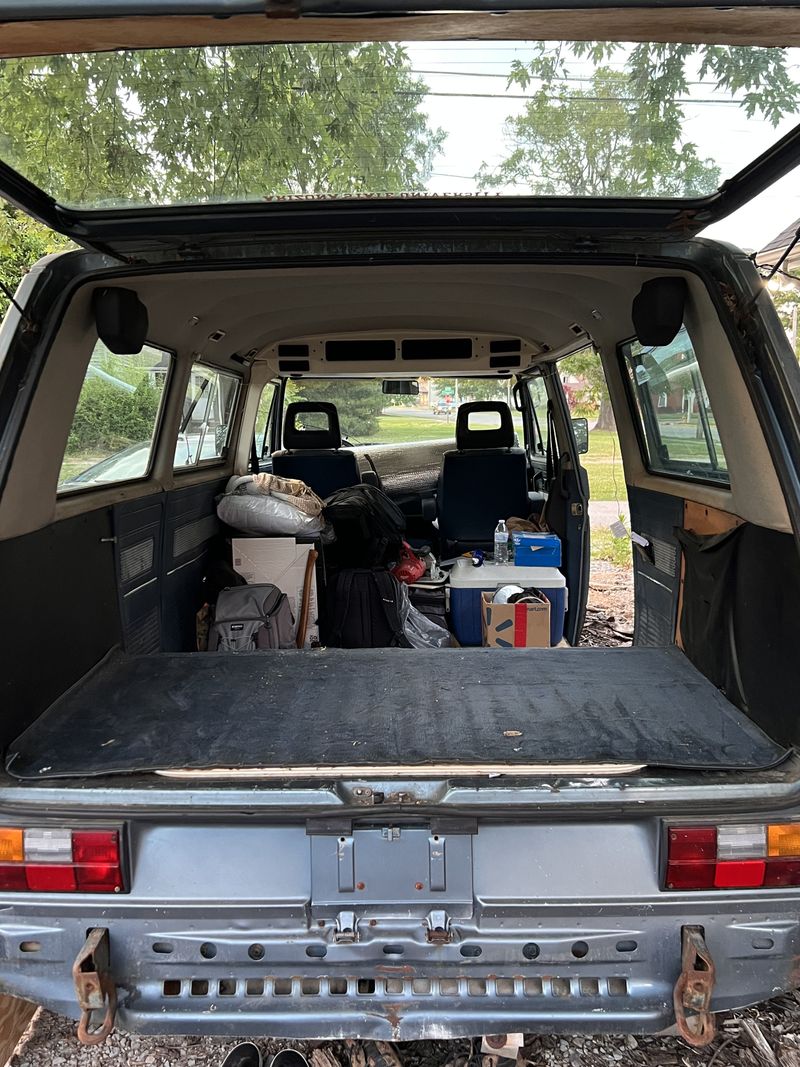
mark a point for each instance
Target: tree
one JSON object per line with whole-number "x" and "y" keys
{"x": 22, "y": 242}
{"x": 625, "y": 133}
{"x": 359, "y": 402}
{"x": 218, "y": 123}
{"x": 587, "y": 365}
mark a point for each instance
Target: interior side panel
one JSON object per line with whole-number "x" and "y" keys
{"x": 61, "y": 612}
{"x": 656, "y": 568}
{"x": 191, "y": 537}
{"x": 138, "y": 553}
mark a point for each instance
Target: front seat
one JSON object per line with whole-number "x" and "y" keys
{"x": 485, "y": 479}
{"x": 315, "y": 456}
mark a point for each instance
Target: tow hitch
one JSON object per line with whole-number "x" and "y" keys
{"x": 692, "y": 994}
{"x": 94, "y": 987}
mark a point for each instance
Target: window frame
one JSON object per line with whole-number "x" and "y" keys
{"x": 638, "y": 419}
{"x": 213, "y": 461}
{"x": 155, "y": 441}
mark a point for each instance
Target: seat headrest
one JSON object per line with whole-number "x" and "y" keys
{"x": 498, "y": 437}
{"x": 295, "y": 437}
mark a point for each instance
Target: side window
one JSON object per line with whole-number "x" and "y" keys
{"x": 264, "y": 419}
{"x": 677, "y": 425}
{"x": 208, "y": 410}
{"x": 538, "y": 394}
{"x": 116, "y": 420}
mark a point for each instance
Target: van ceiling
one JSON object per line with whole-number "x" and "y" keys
{"x": 216, "y": 315}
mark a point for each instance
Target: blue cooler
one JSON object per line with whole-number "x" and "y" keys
{"x": 468, "y": 582}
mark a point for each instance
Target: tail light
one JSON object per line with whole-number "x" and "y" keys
{"x": 41, "y": 860}
{"x": 741, "y": 856}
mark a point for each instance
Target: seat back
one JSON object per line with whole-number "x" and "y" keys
{"x": 315, "y": 456}
{"x": 484, "y": 479}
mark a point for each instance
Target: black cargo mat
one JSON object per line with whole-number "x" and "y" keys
{"x": 393, "y": 707}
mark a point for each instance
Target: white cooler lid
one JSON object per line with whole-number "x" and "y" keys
{"x": 491, "y": 575}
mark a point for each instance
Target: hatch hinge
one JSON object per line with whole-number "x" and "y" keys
{"x": 694, "y": 988}
{"x": 94, "y": 987}
{"x": 346, "y": 931}
{"x": 282, "y": 9}
{"x": 439, "y": 930}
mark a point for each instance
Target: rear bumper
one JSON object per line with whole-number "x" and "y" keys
{"x": 609, "y": 969}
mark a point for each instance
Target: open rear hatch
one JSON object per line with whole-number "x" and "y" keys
{"x": 126, "y": 202}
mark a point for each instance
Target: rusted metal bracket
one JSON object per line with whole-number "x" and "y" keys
{"x": 438, "y": 930}
{"x": 693, "y": 990}
{"x": 94, "y": 987}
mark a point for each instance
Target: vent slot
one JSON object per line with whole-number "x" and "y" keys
{"x": 425, "y": 348}
{"x": 504, "y": 362}
{"x": 292, "y": 351}
{"x": 504, "y": 345}
{"x": 144, "y": 635}
{"x": 293, "y": 366}
{"x": 193, "y": 534}
{"x": 561, "y": 987}
{"x": 376, "y": 351}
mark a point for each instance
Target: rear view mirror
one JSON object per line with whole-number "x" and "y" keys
{"x": 580, "y": 429}
{"x": 400, "y": 387}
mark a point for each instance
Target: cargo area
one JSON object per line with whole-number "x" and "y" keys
{"x": 392, "y": 710}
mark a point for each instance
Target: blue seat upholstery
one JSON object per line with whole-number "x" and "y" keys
{"x": 483, "y": 480}
{"x": 315, "y": 456}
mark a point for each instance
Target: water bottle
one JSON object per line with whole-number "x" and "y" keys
{"x": 501, "y": 542}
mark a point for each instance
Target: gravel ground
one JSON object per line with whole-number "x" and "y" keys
{"x": 764, "y": 1036}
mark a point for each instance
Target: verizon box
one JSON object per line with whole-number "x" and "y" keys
{"x": 516, "y": 625}
{"x": 282, "y": 561}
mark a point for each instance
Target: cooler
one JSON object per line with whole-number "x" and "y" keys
{"x": 467, "y": 583}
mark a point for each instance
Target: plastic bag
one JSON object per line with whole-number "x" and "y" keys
{"x": 267, "y": 516}
{"x": 420, "y": 631}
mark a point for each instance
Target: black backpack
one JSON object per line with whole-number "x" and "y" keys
{"x": 369, "y": 527}
{"x": 363, "y": 611}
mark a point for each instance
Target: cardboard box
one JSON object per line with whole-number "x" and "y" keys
{"x": 536, "y": 549}
{"x": 282, "y": 561}
{"x": 515, "y": 625}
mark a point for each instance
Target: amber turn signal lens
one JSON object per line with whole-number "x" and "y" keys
{"x": 783, "y": 839}
{"x": 11, "y": 847}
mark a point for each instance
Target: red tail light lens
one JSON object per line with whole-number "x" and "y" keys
{"x": 733, "y": 856}
{"x": 60, "y": 861}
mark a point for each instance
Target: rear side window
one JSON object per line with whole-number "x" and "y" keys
{"x": 208, "y": 411}
{"x": 677, "y": 426}
{"x": 115, "y": 424}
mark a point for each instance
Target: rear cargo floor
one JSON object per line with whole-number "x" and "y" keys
{"x": 390, "y": 707}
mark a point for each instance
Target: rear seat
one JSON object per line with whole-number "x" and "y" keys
{"x": 315, "y": 456}
{"x": 484, "y": 479}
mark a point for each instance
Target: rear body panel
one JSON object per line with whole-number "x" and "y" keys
{"x": 250, "y": 929}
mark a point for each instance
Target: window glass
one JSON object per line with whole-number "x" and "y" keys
{"x": 208, "y": 411}
{"x": 115, "y": 423}
{"x": 678, "y": 429}
{"x": 538, "y": 394}
{"x": 263, "y": 420}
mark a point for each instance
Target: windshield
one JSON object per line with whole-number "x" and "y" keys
{"x": 259, "y": 122}
{"x": 368, "y": 416}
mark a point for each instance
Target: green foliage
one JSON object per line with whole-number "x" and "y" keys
{"x": 358, "y": 401}
{"x": 217, "y": 123}
{"x": 109, "y": 419}
{"x": 787, "y": 304}
{"x": 22, "y": 242}
{"x": 625, "y": 134}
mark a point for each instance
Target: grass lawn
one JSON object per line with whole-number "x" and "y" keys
{"x": 603, "y": 464}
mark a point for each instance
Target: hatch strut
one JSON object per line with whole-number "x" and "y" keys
{"x": 693, "y": 990}
{"x": 94, "y": 987}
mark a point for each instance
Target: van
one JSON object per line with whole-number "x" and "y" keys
{"x": 392, "y": 843}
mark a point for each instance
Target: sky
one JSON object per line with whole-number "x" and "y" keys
{"x": 468, "y": 97}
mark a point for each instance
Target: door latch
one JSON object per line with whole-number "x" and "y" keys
{"x": 438, "y": 928}
{"x": 94, "y": 987}
{"x": 694, "y": 988}
{"x": 346, "y": 931}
